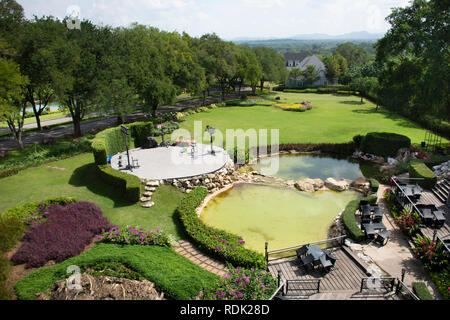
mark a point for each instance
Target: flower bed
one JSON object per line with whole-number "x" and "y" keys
{"x": 64, "y": 234}
{"x": 299, "y": 107}
{"x": 135, "y": 235}
{"x": 244, "y": 284}
{"x": 218, "y": 243}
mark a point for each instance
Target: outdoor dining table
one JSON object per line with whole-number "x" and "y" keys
{"x": 440, "y": 218}
{"x": 427, "y": 215}
{"x": 370, "y": 228}
{"x": 315, "y": 251}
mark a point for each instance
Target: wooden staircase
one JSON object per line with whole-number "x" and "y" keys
{"x": 442, "y": 191}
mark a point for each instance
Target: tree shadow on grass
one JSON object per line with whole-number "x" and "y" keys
{"x": 353, "y": 103}
{"x": 87, "y": 176}
{"x": 399, "y": 120}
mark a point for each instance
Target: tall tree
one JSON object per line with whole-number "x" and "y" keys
{"x": 273, "y": 65}
{"x": 12, "y": 98}
{"x": 414, "y": 56}
{"x": 38, "y": 51}
{"x": 354, "y": 54}
{"x": 11, "y": 19}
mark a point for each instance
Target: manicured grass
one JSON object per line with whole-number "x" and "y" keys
{"x": 43, "y": 118}
{"x": 78, "y": 177}
{"x": 333, "y": 119}
{"x": 175, "y": 275}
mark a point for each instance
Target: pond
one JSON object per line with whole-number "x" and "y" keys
{"x": 281, "y": 216}
{"x": 297, "y": 167}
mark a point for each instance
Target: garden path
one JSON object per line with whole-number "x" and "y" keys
{"x": 189, "y": 251}
{"x": 396, "y": 254}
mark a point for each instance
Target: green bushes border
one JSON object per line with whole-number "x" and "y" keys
{"x": 129, "y": 185}
{"x": 384, "y": 144}
{"x": 420, "y": 170}
{"x": 215, "y": 242}
{"x": 421, "y": 291}
{"x": 348, "y": 218}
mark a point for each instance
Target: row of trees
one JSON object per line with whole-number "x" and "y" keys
{"x": 410, "y": 73}
{"x": 112, "y": 69}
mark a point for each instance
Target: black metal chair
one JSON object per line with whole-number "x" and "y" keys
{"x": 307, "y": 261}
{"x": 330, "y": 256}
{"x": 326, "y": 264}
{"x": 301, "y": 251}
{"x": 383, "y": 237}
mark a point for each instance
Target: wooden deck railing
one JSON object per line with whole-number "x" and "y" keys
{"x": 286, "y": 286}
{"x": 289, "y": 252}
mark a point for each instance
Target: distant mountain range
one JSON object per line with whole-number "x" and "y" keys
{"x": 357, "y": 35}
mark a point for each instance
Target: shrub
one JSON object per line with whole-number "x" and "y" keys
{"x": 140, "y": 131}
{"x": 11, "y": 231}
{"x": 409, "y": 222}
{"x": 244, "y": 284}
{"x": 431, "y": 253}
{"x": 221, "y": 244}
{"x": 420, "y": 170}
{"x": 357, "y": 140}
{"x": 420, "y": 290}
{"x": 135, "y": 235}
{"x": 348, "y": 218}
{"x": 129, "y": 186}
{"x": 65, "y": 234}
{"x": 374, "y": 185}
{"x": 33, "y": 212}
{"x": 9, "y": 172}
{"x": 384, "y": 144}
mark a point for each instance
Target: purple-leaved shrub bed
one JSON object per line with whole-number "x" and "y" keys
{"x": 65, "y": 233}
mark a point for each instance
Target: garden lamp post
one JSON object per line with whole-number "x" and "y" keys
{"x": 125, "y": 131}
{"x": 211, "y": 131}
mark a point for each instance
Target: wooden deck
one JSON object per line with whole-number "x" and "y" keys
{"x": 343, "y": 282}
{"x": 428, "y": 197}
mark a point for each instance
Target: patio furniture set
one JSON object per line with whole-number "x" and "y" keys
{"x": 311, "y": 256}
{"x": 372, "y": 222}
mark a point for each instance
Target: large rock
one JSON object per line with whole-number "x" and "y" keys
{"x": 337, "y": 184}
{"x": 309, "y": 185}
{"x": 106, "y": 288}
{"x": 360, "y": 183}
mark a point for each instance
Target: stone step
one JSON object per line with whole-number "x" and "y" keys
{"x": 148, "y": 194}
{"x": 152, "y": 184}
{"x": 148, "y": 204}
{"x": 151, "y": 189}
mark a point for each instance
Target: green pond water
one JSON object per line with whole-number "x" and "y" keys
{"x": 281, "y": 216}
{"x": 297, "y": 167}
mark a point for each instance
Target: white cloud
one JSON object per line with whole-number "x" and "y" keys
{"x": 231, "y": 18}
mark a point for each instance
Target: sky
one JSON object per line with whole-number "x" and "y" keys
{"x": 229, "y": 19}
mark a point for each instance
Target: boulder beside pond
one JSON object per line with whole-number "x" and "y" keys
{"x": 309, "y": 185}
{"x": 337, "y": 184}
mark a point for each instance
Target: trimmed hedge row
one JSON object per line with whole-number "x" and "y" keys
{"x": 374, "y": 185}
{"x": 348, "y": 218}
{"x": 420, "y": 170}
{"x": 129, "y": 184}
{"x": 420, "y": 290}
{"x": 218, "y": 243}
{"x": 384, "y": 144}
{"x": 112, "y": 141}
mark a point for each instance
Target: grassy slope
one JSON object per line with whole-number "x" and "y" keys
{"x": 175, "y": 275}
{"x": 333, "y": 119}
{"x": 79, "y": 180}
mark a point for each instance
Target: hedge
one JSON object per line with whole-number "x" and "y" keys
{"x": 421, "y": 291}
{"x": 348, "y": 218}
{"x": 384, "y": 143}
{"x": 218, "y": 243}
{"x": 128, "y": 185}
{"x": 112, "y": 141}
{"x": 140, "y": 131}
{"x": 420, "y": 170}
{"x": 176, "y": 276}
{"x": 374, "y": 185}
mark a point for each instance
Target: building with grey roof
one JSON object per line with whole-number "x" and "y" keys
{"x": 300, "y": 61}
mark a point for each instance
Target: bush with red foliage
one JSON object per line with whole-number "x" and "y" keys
{"x": 64, "y": 234}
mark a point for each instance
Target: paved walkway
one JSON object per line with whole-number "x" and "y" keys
{"x": 396, "y": 255}
{"x": 189, "y": 251}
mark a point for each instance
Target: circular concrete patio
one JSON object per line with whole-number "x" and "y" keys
{"x": 172, "y": 162}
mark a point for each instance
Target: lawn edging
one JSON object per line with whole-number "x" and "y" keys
{"x": 349, "y": 221}
{"x": 218, "y": 243}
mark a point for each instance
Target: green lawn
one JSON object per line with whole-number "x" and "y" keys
{"x": 79, "y": 179}
{"x": 177, "y": 276}
{"x": 44, "y": 117}
{"x": 333, "y": 119}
